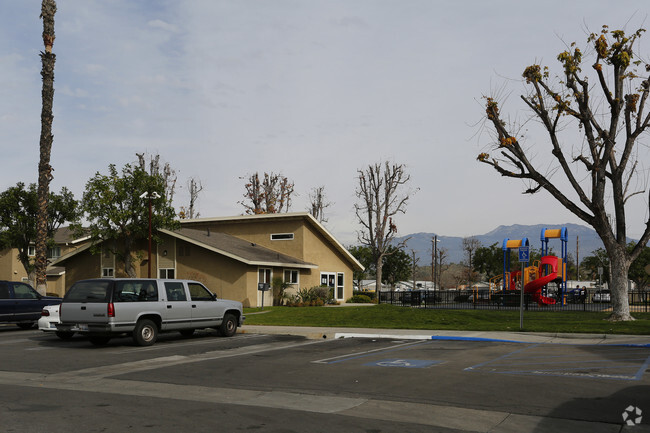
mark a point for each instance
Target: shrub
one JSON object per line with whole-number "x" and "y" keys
{"x": 312, "y": 297}
{"x": 359, "y": 299}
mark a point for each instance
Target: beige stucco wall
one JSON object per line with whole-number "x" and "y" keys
{"x": 10, "y": 267}
{"x": 259, "y": 232}
{"x": 82, "y": 266}
{"x": 225, "y": 277}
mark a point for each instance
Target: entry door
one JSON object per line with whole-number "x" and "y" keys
{"x": 334, "y": 281}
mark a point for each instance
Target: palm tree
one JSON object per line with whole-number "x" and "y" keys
{"x": 48, "y": 58}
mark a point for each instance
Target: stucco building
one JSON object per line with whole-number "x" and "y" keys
{"x": 233, "y": 255}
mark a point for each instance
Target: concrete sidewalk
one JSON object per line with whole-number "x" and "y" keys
{"x": 402, "y": 334}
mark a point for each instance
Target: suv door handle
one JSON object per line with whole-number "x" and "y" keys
{"x": 193, "y": 306}
{"x": 169, "y": 306}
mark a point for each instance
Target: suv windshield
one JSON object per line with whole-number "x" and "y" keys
{"x": 89, "y": 291}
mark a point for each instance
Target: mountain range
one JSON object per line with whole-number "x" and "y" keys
{"x": 422, "y": 243}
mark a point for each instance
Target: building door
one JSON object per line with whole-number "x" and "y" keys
{"x": 265, "y": 275}
{"x": 335, "y": 282}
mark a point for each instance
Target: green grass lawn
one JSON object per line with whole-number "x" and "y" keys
{"x": 392, "y": 317}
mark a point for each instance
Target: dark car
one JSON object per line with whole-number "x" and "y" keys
{"x": 21, "y": 304}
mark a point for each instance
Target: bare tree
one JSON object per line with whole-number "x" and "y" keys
{"x": 269, "y": 195}
{"x": 156, "y": 168}
{"x": 194, "y": 187}
{"x": 48, "y": 59}
{"x": 608, "y": 109}
{"x": 380, "y": 198}
{"x": 318, "y": 203}
{"x": 470, "y": 245}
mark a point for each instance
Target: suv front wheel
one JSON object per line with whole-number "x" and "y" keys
{"x": 145, "y": 332}
{"x": 228, "y": 327}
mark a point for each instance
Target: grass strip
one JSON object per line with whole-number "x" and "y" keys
{"x": 392, "y": 317}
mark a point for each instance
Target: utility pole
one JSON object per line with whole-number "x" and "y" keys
{"x": 413, "y": 271}
{"x": 577, "y": 258}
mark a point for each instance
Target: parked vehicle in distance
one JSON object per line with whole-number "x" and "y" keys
{"x": 577, "y": 296}
{"x": 21, "y": 304}
{"x": 108, "y": 307}
{"x": 49, "y": 319}
{"x": 601, "y": 296}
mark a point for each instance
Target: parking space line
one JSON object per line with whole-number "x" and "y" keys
{"x": 357, "y": 355}
{"x": 501, "y": 357}
{"x": 196, "y": 342}
{"x": 604, "y": 364}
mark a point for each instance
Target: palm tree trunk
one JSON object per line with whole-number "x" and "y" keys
{"x": 48, "y": 9}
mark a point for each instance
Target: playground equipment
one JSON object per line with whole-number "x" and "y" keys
{"x": 510, "y": 279}
{"x": 537, "y": 277}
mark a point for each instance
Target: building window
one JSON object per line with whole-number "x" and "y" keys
{"x": 31, "y": 251}
{"x": 54, "y": 253}
{"x": 291, "y": 276}
{"x": 108, "y": 273}
{"x": 282, "y": 237}
{"x": 264, "y": 275}
{"x": 167, "y": 273}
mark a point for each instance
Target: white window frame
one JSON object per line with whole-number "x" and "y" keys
{"x": 31, "y": 251}
{"x": 108, "y": 272}
{"x": 282, "y": 236}
{"x": 166, "y": 270}
{"x": 291, "y": 271}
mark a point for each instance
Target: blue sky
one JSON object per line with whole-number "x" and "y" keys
{"x": 312, "y": 89}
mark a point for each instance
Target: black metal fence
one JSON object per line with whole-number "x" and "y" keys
{"x": 575, "y": 300}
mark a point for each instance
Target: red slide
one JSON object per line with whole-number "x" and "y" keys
{"x": 535, "y": 287}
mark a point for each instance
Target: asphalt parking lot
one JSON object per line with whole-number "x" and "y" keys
{"x": 281, "y": 383}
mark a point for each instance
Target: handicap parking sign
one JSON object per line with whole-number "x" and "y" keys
{"x": 524, "y": 256}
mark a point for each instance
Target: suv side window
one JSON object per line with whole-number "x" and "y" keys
{"x": 23, "y": 291}
{"x": 135, "y": 291}
{"x": 200, "y": 293}
{"x": 175, "y": 291}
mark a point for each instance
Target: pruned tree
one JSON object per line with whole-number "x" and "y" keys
{"x": 48, "y": 59}
{"x": 318, "y": 203}
{"x": 18, "y": 214}
{"x": 380, "y": 197}
{"x": 607, "y": 109}
{"x": 161, "y": 170}
{"x": 117, "y": 215}
{"x": 194, "y": 187}
{"x": 272, "y": 194}
{"x": 470, "y": 245}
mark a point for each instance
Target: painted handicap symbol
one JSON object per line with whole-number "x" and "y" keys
{"x": 395, "y": 363}
{"x": 403, "y": 363}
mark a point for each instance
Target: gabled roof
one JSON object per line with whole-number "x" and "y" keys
{"x": 297, "y": 215}
{"x": 237, "y": 249}
{"x": 67, "y": 236}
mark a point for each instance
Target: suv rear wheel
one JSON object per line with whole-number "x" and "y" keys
{"x": 145, "y": 333}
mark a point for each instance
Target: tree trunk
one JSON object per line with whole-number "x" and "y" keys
{"x": 48, "y": 59}
{"x": 620, "y": 265}
{"x": 379, "y": 265}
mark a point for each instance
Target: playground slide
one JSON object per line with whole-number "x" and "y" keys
{"x": 535, "y": 288}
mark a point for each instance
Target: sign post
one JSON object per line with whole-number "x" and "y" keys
{"x": 524, "y": 257}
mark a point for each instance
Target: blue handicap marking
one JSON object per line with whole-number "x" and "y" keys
{"x": 403, "y": 363}
{"x": 524, "y": 254}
